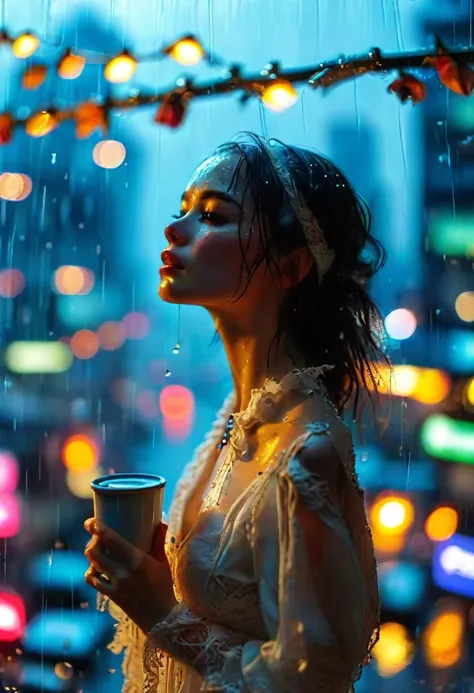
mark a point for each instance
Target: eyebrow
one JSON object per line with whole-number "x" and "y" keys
{"x": 212, "y": 194}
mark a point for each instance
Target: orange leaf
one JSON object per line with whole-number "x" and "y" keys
{"x": 408, "y": 88}
{"x": 454, "y": 76}
{"x": 89, "y": 117}
{"x": 34, "y": 76}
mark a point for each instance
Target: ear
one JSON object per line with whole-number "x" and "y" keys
{"x": 294, "y": 267}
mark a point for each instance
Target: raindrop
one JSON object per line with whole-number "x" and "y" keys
{"x": 59, "y": 545}
{"x": 167, "y": 373}
{"x": 176, "y": 348}
{"x": 112, "y": 671}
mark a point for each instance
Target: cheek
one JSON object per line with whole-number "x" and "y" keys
{"x": 221, "y": 245}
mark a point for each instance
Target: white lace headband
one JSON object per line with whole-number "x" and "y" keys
{"x": 323, "y": 255}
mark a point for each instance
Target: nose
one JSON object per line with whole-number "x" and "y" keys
{"x": 176, "y": 234}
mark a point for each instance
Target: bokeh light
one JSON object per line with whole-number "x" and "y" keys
{"x": 80, "y": 453}
{"x": 443, "y": 639}
{"x": 148, "y": 404}
{"x": 10, "y": 515}
{"x": 79, "y": 482}
{"x": 442, "y": 523}
{"x": 279, "y": 96}
{"x": 9, "y": 472}
{"x": 12, "y": 616}
{"x": 392, "y": 515}
{"x": 136, "y": 325}
{"x": 12, "y": 283}
{"x": 394, "y": 651}
{"x": 111, "y": 335}
{"x": 15, "y": 187}
{"x": 400, "y": 324}
{"x": 84, "y": 344}
{"x": 38, "y": 357}
{"x": 177, "y": 407}
{"x": 469, "y": 391}
{"x": 109, "y": 154}
{"x": 72, "y": 280}
{"x": 465, "y": 306}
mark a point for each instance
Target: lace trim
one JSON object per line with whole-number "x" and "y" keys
{"x": 263, "y": 405}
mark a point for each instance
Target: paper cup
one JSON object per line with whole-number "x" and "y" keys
{"x": 131, "y": 505}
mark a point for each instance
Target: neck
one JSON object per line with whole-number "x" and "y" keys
{"x": 251, "y": 351}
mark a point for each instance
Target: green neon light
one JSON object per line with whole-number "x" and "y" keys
{"x": 451, "y": 234}
{"x": 448, "y": 439}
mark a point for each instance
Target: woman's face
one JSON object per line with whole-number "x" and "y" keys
{"x": 203, "y": 263}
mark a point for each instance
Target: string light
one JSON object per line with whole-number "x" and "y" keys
{"x": 187, "y": 51}
{"x": 71, "y": 65}
{"x": 42, "y": 123}
{"x": 121, "y": 68}
{"x": 275, "y": 87}
{"x": 279, "y": 96}
{"x": 25, "y": 45}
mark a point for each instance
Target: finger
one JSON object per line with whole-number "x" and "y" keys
{"x": 97, "y": 581}
{"x": 113, "y": 541}
{"x": 103, "y": 562}
{"x": 158, "y": 550}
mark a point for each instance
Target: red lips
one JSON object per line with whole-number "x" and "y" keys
{"x": 170, "y": 259}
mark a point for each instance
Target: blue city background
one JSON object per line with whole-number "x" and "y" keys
{"x": 99, "y": 375}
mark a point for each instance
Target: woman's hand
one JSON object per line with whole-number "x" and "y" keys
{"x": 140, "y": 584}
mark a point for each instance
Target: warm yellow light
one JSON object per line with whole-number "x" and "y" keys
{"x": 443, "y": 639}
{"x": 187, "y": 52}
{"x": 470, "y": 391}
{"x": 79, "y": 483}
{"x": 433, "y": 386}
{"x": 41, "y": 124}
{"x": 394, "y": 651}
{"x": 80, "y": 453}
{"x": 279, "y": 96}
{"x": 71, "y": 66}
{"x": 25, "y": 45}
{"x": 465, "y": 306}
{"x": 121, "y": 68}
{"x": 441, "y": 524}
{"x": 392, "y": 515}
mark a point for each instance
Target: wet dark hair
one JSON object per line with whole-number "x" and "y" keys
{"x": 336, "y": 321}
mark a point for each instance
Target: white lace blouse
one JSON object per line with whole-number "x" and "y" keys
{"x": 257, "y": 612}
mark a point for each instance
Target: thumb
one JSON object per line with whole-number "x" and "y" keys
{"x": 158, "y": 550}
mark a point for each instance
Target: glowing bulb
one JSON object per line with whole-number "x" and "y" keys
{"x": 71, "y": 66}
{"x": 25, "y": 45}
{"x": 121, "y": 68}
{"x": 41, "y": 124}
{"x": 400, "y": 324}
{"x": 279, "y": 96}
{"x": 187, "y": 52}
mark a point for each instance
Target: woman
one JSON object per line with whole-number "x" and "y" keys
{"x": 267, "y": 582}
